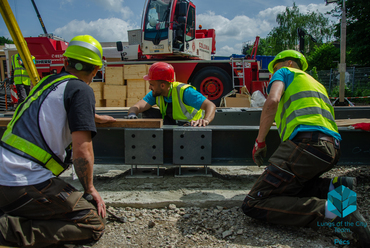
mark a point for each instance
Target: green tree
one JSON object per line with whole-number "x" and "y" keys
{"x": 324, "y": 57}
{"x": 357, "y": 30}
{"x": 285, "y": 36}
{"x": 262, "y": 49}
{"x": 4, "y": 40}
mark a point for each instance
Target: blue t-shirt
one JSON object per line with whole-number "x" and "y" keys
{"x": 191, "y": 98}
{"x": 287, "y": 77}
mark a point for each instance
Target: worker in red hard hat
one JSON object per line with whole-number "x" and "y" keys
{"x": 178, "y": 103}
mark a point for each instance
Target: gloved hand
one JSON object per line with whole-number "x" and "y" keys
{"x": 362, "y": 126}
{"x": 132, "y": 116}
{"x": 259, "y": 152}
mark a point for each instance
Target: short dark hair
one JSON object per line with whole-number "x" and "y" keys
{"x": 297, "y": 61}
{"x": 80, "y": 65}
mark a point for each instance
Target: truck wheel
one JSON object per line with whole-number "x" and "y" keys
{"x": 213, "y": 82}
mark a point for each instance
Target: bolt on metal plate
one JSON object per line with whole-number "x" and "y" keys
{"x": 143, "y": 146}
{"x": 192, "y": 146}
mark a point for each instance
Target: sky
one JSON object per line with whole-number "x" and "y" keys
{"x": 235, "y": 21}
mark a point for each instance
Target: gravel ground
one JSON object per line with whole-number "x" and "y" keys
{"x": 219, "y": 226}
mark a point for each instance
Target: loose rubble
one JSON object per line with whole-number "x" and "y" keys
{"x": 219, "y": 226}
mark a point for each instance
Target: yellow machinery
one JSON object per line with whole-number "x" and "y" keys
{"x": 19, "y": 41}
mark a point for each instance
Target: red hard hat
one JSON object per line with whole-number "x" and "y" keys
{"x": 161, "y": 71}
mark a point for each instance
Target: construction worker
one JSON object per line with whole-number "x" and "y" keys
{"x": 179, "y": 104}
{"x": 38, "y": 208}
{"x": 290, "y": 190}
{"x": 22, "y": 80}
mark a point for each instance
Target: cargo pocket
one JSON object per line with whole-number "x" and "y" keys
{"x": 276, "y": 176}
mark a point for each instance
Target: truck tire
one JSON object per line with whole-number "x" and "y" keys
{"x": 212, "y": 82}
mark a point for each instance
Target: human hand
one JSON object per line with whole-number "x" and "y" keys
{"x": 104, "y": 119}
{"x": 95, "y": 199}
{"x": 259, "y": 152}
{"x": 199, "y": 123}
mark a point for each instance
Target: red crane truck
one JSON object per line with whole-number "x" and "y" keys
{"x": 168, "y": 33}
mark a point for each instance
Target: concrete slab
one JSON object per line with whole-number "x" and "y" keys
{"x": 227, "y": 187}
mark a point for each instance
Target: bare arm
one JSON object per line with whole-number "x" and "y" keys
{"x": 139, "y": 107}
{"x": 269, "y": 109}
{"x": 104, "y": 118}
{"x": 83, "y": 161}
{"x": 210, "y": 111}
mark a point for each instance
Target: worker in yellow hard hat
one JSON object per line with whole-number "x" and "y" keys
{"x": 21, "y": 78}
{"x": 178, "y": 103}
{"x": 60, "y": 110}
{"x": 290, "y": 190}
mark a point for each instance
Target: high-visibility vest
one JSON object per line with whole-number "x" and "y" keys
{"x": 31, "y": 145}
{"x": 20, "y": 72}
{"x": 180, "y": 111}
{"x": 304, "y": 102}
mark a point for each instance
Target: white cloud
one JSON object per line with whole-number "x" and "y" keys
{"x": 241, "y": 28}
{"x": 116, "y": 6}
{"x": 112, "y": 29}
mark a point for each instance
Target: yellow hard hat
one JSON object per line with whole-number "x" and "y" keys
{"x": 85, "y": 48}
{"x": 289, "y": 54}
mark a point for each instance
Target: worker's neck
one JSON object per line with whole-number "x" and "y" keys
{"x": 80, "y": 75}
{"x": 167, "y": 92}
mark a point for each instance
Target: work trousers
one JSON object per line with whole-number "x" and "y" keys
{"x": 50, "y": 213}
{"x": 22, "y": 91}
{"x": 290, "y": 190}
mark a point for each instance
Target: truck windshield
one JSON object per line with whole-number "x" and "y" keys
{"x": 156, "y": 20}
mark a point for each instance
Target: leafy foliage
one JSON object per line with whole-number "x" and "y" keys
{"x": 263, "y": 48}
{"x": 324, "y": 57}
{"x": 357, "y": 30}
{"x": 285, "y": 36}
{"x": 4, "y": 40}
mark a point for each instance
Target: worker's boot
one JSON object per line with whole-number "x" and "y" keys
{"x": 349, "y": 182}
{"x": 360, "y": 230}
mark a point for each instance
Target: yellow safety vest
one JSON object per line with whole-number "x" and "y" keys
{"x": 20, "y": 72}
{"x": 32, "y": 145}
{"x": 180, "y": 111}
{"x": 304, "y": 102}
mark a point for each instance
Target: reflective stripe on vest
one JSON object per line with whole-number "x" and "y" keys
{"x": 305, "y": 102}
{"x": 20, "y": 73}
{"x": 180, "y": 111}
{"x": 19, "y": 145}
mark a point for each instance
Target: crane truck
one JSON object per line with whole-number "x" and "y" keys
{"x": 168, "y": 33}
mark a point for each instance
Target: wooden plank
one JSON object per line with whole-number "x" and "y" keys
{"x": 133, "y": 123}
{"x": 4, "y": 121}
{"x": 125, "y": 123}
{"x": 349, "y": 122}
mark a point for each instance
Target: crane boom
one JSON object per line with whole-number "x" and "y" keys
{"x": 39, "y": 16}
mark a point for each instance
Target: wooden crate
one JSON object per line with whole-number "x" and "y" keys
{"x": 114, "y": 75}
{"x": 100, "y": 102}
{"x": 115, "y": 103}
{"x": 147, "y": 90}
{"x": 131, "y": 101}
{"x": 135, "y": 71}
{"x": 98, "y": 88}
{"x": 136, "y": 88}
{"x": 115, "y": 92}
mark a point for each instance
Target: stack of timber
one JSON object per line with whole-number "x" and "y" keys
{"x": 115, "y": 90}
{"x": 98, "y": 88}
{"x": 137, "y": 87}
{"x": 123, "y": 87}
